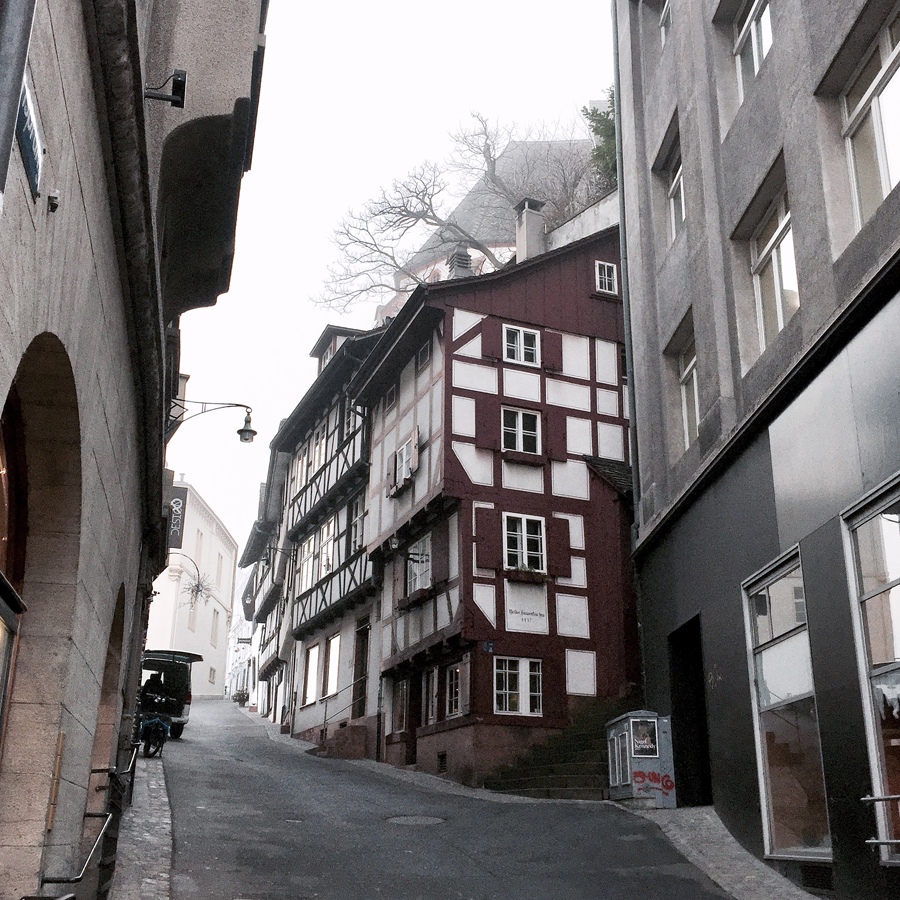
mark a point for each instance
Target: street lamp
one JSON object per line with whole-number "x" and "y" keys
{"x": 179, "y": 407}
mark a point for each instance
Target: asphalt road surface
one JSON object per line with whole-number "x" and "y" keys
{"x": 257, "y": 819}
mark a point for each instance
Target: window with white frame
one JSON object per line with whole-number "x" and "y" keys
{"x": 675, "y": 192}
{"x": 871, "y": 110}
{"x": 332, "y": 661}
{"x": 790, "y": 756}
{"x": 876, "y": 557}
{"x": 317, "y": 454}
{"x": 665, "y": 22}
{"x": 418, "y": 565}
{"x": 429, "y": 696}
{"x": 404, "y": 461}
{"x": 327, "y": 547}
{"x": 521, "y": 430}
{"x": 524, "y": 538}
{"x": 521, "y": 345}
{"x": 309, "y": 564}
{"x": 774, "y": 271}
{"x": 690, "y": 401}
{"x": 752, "y": 41}
{"x": 605, "y": 277}
{"x": 518, "y": 687}
{"x": 356, "y": 512}
{"x": 310, "y": 681}
{"x": 453, "y": 680}
{"x": 423, "y": 357}
{"x": 390, "y": 398}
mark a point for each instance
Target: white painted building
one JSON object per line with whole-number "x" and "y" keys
{"x": 191, "y": 609}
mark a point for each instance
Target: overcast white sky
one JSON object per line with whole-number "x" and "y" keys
{"x": 354, "y": 95}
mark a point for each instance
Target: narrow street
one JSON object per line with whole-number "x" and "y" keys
{"x": 259, "y": 819}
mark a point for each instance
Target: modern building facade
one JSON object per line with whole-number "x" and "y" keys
{"x": 193, "y": 596}
{"x": 94, "y": 182}
{"x": 496, "y": 514}
{"x": 762, "y": 224}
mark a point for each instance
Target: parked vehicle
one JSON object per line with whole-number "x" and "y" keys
{"x": 166, "y": 687}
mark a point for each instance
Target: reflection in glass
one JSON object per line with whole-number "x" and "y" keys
{"x": 798, "y": 817}
{"x": 878, "y": 549}
{"x": 784, "y": 670}
{"x": 886, "y": 694}
{"x": 881, "y": 615}
{"x": 778, "y": 608}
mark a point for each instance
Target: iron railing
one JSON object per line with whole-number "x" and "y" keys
{"x": 352, "y": 703}
{"x": 874, "y": 842}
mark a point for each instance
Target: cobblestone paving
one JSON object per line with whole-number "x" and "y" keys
{"x": 144, "y": 856}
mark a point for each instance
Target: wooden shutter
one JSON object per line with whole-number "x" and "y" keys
{"x": 555, "y": 433}
{"x": 491, "y": 339}
{"x": 390, "y": 474}
{"x": 414, "y": 450}
{"x": 488, "y": 538}
{"x": 559, "y": 549}
{"x": 487, "y": 422}
{"x": 551, "y": 352}
{"x": 440, "y": 552}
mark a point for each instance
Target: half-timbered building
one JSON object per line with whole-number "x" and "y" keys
{"x": 506, "y": 591}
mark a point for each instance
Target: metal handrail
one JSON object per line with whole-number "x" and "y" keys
{"x": 76, "y": 879}
{"x": 874, "y": 842}
{"x": 343, "y": 708}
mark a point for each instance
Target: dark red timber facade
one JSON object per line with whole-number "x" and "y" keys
{"x": 498, "y": 508}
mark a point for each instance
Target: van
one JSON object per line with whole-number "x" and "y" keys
{"x": 167, "y": 674}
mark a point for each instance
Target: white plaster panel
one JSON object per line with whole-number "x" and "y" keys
{"x": 572, "y": 396}
{"x": 581, "y": 672}
{"x": 437, "y": 405}
{"x": 578, "y": 436}
{"x": 428, "y": 616}
{"x": 626, "y": 413}
{"x": 572, "y": 616}
{"x": 463, "y": 320}
{"x": 443, "y": 611}
{"x": 471, "y": 348}
{"x": 463, "y": 416}
{"x": 436, "y": 461}
{"x": 522, "y": 385}
{"x": 453, "y": 532}
{"x": 406, "y": 425}
{"x": 576, "y": 356}
{"x": 478, "y": 464}
{"x": 486, "y": 601}
{"x": 524, "y": 478}
{"x": 453, "y": 600}
{"x": 474, "y": 378}
{"x": 576, "y": 529}
{"x": 579, "y": 574}
{"x": 386, "y": 641}
{"x": 570, "y": 479}
{"x": 610, "y": 441}
{"x": 526, "y": 608}
{"x": 607, "y": 402}
{"x": 423, "y": 416}
{"x": 607, "y": 362}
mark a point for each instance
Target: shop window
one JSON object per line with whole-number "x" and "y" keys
{"x": 518, "y": 686}
{"x": 524, "y": 542}
{"x": 752, "y": 41}
{"x": 418, "y": 565}
{"x": 521, "y": 345}
{"x": 790, "y": 756}
{"x": 521, "y": 431}
{"x": 871, "y": 111}
{"x": 876, "y": 554}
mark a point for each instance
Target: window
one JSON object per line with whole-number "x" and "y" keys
{"x": 524, "y": 542}
{"x": 690, "y": 403}
{"x": 521, "y": 431}
{"x": 399, "y": 704}
{"x": 518, "y": 686}
{"x": 309, "y": 564}
{"x": 220, "y": 561}
{"x": 332, "y": 660}
{"x": 418, "y": 565}
{"x": 212, "y": 675}
{"x": 312, "y": 670}
{"x": 876, "y": 557}
{"x": 521, "y": 345}
{"x": 752, "y": 41}
{"x": 675, "y": 194}
{"x": 317, "y": 454}
{"x": 605, "y": 277}
{"x": 774, "y": 271}
{"x": 665, "y": 22}
{"x": 454, "y": 678}
{"x": 390, "y": 398}
{"x": 429, "y": 696}
{"x": 423, "y": 357}
{"x": 214, "y": 630}
{"x": 357, "y": 515}
{"x": 404, "y": 462}
{"x": 793, "y": 785}
{"x": 871, "y": 108}
{"x": 327, "y": 547}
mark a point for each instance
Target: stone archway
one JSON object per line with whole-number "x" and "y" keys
{"x": 53, "y": 703}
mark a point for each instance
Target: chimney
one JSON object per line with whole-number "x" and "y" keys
{"x": 460, "y": 263}
{"x": 529, "y": 228}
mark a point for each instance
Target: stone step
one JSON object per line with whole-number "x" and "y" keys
{"x": 576, "y": 793}
{"x": 550, "y": 782}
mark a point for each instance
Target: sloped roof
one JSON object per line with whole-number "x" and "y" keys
{"x": 616, "y": 474}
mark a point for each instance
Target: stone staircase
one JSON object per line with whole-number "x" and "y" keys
{"x": 571, "y": 765}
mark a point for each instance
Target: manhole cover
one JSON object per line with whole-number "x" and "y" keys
{"x": 415, "y": 820}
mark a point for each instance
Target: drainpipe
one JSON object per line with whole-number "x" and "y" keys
{"x": 623, "y": 265}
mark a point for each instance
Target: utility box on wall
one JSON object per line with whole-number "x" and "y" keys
{"x": 641, "y": 771}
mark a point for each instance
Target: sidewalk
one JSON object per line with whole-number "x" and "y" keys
{"x": 145, "y": 836}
